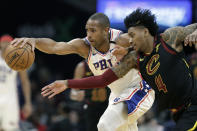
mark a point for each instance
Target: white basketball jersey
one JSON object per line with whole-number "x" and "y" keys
{"x": 8, "y": 85}
{"x": 99, "y": 63}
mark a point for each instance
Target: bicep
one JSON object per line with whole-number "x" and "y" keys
{"x": 171, "y": 35}
{"x": 76, "y": 46}
{"x": 126, "y": 64}
{"x": 176, "y": 35}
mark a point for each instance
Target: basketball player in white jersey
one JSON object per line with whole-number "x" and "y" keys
{"x": 130, "y": 98}
{"x": 9, "y": 104}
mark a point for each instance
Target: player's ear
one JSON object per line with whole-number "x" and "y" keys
{"x": 107, "y": 29}
{"x": 146, "y": 32}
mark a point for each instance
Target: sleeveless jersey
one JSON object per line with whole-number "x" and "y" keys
{"x": 99, "y": 63}
{"x": 8, "y": 81}
{"x": 168, "y": 73}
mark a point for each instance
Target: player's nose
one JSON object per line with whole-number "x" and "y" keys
{"x": 89, "y": 37}
{"x": 89, "y": 33}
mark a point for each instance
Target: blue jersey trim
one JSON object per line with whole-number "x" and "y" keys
{"x": 139, "y": 96}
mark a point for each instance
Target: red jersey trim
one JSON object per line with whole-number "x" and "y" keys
{"x": 138, "y": 62}
{"x": 167, "y": 48}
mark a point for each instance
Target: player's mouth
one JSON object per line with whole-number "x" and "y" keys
{"x": 91, "y": 41}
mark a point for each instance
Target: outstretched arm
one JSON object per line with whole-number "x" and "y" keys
{"x": 50, "y": 46}
{"x": 101, "y": 81}
{"x": 176, "y": 35}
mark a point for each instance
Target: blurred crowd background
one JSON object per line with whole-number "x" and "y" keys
{"x": 63, "y": 20}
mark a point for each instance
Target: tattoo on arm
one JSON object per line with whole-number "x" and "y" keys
{"x": 176, "y": 35}
{"x": 192, "y": 27}
{"x": 170, "y": 35}
{"x": 127, "y": 63}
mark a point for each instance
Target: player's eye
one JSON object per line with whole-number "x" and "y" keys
{"x": 93, "y": 30}
{"x": 131, "y": 35}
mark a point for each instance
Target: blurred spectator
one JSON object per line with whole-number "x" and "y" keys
{"x": 148, "y": 122}
{"x": 60, "y": 121}
{"x": 74, "y": 119}
{"x": 9, "y": 104}
{"x": 94, "y": 100}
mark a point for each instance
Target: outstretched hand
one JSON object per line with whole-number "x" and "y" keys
{"x": 191, "y": 39}
{"x": 23, "y": 41}
{"x": 54, "y": 88}
{"x": 119, "y": 52}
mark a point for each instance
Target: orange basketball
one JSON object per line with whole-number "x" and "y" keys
{"x": 19, "y": 58}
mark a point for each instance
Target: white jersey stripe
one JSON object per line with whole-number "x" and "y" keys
{"x": 112, "y": 35}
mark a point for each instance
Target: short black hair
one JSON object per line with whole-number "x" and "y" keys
{"x": 102, "y": 18}
{"x": 142, "y": 17}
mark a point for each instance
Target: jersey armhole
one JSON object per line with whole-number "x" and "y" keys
{"x": 86, "y": 41}
{"x": 167, "y": 48}
{"x": 89, "y": 54}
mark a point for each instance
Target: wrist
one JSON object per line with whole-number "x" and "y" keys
{"x": 36, "y": 40}
{"x": 66, "y": 83}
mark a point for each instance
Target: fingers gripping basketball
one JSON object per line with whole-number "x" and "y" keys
{"x": 19, "y": 58}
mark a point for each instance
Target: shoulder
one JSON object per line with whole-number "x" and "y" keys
{"x": 170, "y": 33}
{"x": 174, "y": 37}
{"x": 82, "y": 47}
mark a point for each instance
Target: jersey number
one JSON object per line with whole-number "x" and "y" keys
{"x": 160, "y": 84}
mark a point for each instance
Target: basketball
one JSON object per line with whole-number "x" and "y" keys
{"x": 19, "y": 58}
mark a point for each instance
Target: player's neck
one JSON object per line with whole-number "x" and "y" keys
{"x": 104, "y": 47}
{"x": 150, "y": 45}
